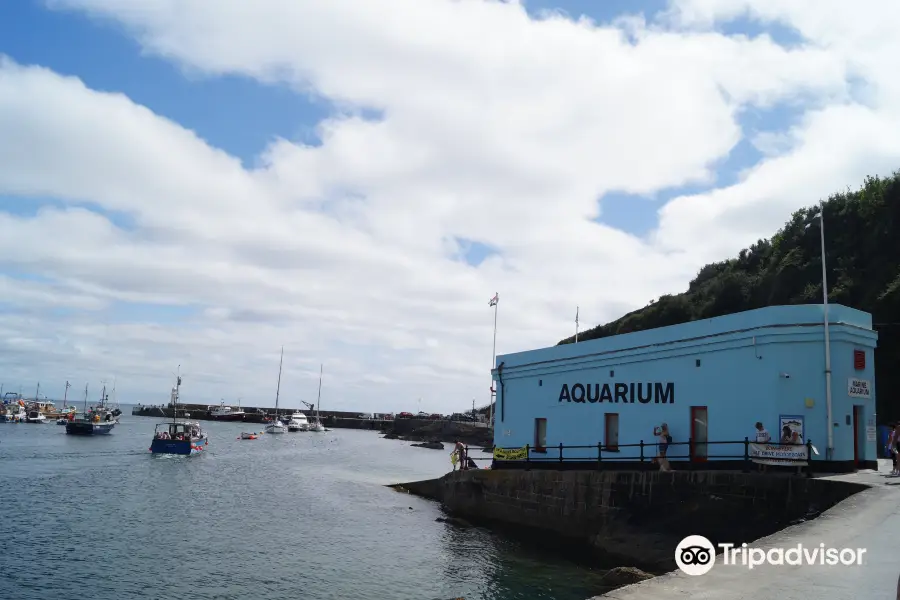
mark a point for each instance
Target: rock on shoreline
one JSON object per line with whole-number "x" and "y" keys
{"x": 430, "y": 445}
{"x": 441, "y": 431}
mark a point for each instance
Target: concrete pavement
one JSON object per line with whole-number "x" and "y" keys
{"x": 869, "y": 519}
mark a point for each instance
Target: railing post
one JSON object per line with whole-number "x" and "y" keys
{"x": 599, "y": 454}
{"x": 746, "y": 455}
{"x": 691, "y": 450}
{"x": 527, "y": 457}
{"x": 809, "y": 458}
{"x": 642, "y": 450}
{"x": 560, "y": 451}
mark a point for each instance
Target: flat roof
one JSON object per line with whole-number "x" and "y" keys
{"x": 760, "y": 318}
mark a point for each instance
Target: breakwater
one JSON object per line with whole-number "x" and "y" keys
{"x": 414, "y": 430}
{"x": 252, "y": 414}
{"x": 633, "y": 518}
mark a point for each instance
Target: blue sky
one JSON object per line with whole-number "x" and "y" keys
{"x": 241, "y": 115}
{"x": 357, "y": 287}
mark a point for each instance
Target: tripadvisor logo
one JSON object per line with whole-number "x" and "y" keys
{"x": 696, "y": 555}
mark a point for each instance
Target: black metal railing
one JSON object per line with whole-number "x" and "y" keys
{"x": 642, "y": 452}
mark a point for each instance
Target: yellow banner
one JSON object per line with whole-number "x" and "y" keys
{"x": 510, "y": 453}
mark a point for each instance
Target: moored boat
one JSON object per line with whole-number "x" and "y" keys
{"x": 13, "y": 409}
{"x": 96, "y": 420}
{"x": 316, "y": 424}
{"x": 276, "y": 426}
{"x": 298, "y": 422}
{"x": 35, "y": 416}
{"x": 226, "y": 413}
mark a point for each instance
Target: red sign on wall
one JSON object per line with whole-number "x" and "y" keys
{"x": 859, "y": 360}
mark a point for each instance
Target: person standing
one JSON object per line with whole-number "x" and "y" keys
{"x": 461, "y": 457}
{"x": 762, "y": 437}
{"x": 664, "y": 440}
{"x": 894, "y": 444}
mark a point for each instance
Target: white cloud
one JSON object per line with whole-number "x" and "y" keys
{"x": 494, "y": 127}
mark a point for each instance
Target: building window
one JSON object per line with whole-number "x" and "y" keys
{"x": 612, "y": 373}
{"x": 540, "y": 435}
{"x": 859, "y": 360}
{"x": 540, "y": 382}
{"x": 697, "y": 363}
{"x": 611, "y": 434}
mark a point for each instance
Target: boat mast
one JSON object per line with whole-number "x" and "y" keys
{"x": 278, "y": 388}
{"x": 175, "y": 396}
{"x": 85, "y": 398}
{"x": 66, "y": 394}
{"x": 319, "y": 398}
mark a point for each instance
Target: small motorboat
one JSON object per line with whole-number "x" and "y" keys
{"x": 36, "y": 416}
{"x": 62, "y": 422}
{"x": 248, "y": 436}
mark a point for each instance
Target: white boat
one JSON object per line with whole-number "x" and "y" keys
{"x": 15, "y": 412}
{"x": 298, "y": 422}
{"x": 317, "y": 424}
{"x": 35, "y": 416}
{"x": 276, "y": 426}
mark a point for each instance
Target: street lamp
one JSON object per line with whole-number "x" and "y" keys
{"x": 829, "y": 452}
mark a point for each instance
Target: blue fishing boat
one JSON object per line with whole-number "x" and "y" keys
{"x": 96, "y": 420}
{"x": 178, "y": 437}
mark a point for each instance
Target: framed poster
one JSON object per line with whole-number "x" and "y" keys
{"x": 790, "y": 429}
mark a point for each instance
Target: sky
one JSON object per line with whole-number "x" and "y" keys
{"x": 193, "y": 185}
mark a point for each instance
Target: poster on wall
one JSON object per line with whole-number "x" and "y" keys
{"x": 859, "y": 388}
{"x": 790, "y": 429}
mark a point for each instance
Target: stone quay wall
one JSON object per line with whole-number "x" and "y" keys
{"x": 634, "y": 518}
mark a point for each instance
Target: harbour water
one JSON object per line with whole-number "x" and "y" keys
{"x": 299, "y": 515}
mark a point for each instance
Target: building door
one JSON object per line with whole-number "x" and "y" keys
{"x": 612, "y": 431}
{"x": 699, "y": 434}
{"x": 540, "y": 434}
{"x": 859, "y": 435}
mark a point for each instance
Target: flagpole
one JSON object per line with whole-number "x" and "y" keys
{"x": 576, "y": 324}
{"x": 493, "y": 362}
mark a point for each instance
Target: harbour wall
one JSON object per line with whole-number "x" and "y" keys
{"x": 259, "y": 415}
{"x": 633, "y": 518}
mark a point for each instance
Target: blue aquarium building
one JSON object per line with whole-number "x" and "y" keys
{"x": 710, "y": 381}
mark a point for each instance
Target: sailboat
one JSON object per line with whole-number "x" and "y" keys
{"x": 178, "y": 437}
{"x": 317, "y": 424}
{"x": 276, "y": 426}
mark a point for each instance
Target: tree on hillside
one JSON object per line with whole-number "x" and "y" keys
{"x": 862, "y": 249}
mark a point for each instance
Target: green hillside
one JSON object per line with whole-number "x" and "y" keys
{"x": 862, "y": 248}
